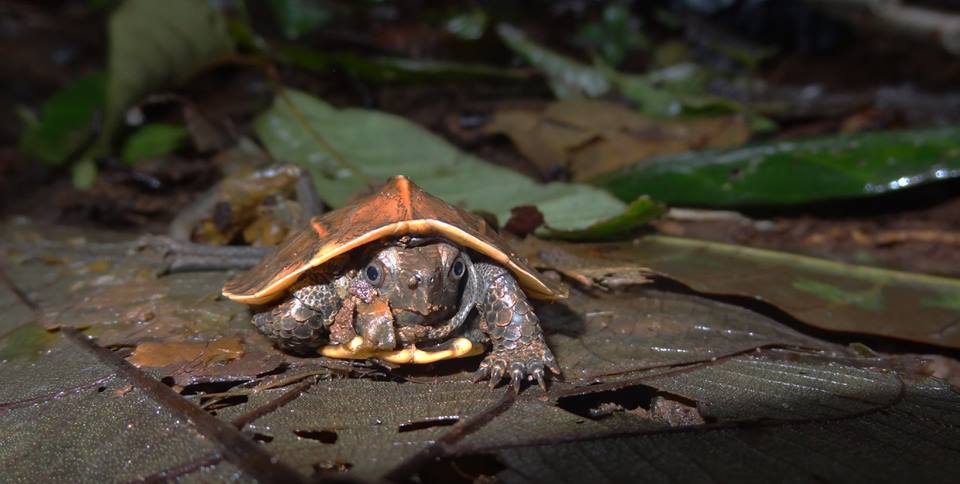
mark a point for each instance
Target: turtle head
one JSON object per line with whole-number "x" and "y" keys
{"x": 421, "y": 282}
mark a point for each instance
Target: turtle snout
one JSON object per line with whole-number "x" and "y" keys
{"x": 417, "y": 278}
{"x": 414, "y": 280}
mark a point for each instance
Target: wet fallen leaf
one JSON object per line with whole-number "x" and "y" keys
{"x": 225, "y": 359}
{"x": 896, "y": 432}
{"x": 604, "y": 335}
{"x": 117, "y": 431}
{"x": 822, "y": 293}
{"x": 591, "y": 138}
{"x": 26, "y": 342}
{"x": 128, "y": 303}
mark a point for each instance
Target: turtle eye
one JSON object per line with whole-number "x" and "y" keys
{"x": 373, "y": 273}
{"x": 458, "y": 269}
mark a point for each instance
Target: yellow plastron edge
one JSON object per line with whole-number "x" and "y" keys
{"x": 456, "y": 348}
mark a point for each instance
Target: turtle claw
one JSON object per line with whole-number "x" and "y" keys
{"x": 497, "y": 370}
{"x": 482, "y": 373}
{"x": 554, "y": 368}
{"x": 515, "y": 383}
{"x": 516, "y": 376}
{"x": 538, "y": 375}
{"x": 527, "y": 363}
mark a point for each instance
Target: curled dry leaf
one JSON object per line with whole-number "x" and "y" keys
{"x": 590, "y": 138}
{"x": 256, "y": 204}
{"x": 524, "y": 220}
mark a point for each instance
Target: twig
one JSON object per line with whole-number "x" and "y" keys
{"x": 911, "y": 20}
{"x": 443, "y": 445}
{"x": 230, "y": 442}
{"x": 287, "y": 397}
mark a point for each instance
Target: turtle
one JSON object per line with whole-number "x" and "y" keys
{"x": 405, "y": 277}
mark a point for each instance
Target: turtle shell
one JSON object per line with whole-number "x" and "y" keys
{"x": 399, "y": 208}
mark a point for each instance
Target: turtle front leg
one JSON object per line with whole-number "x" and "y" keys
{"x": 507, "y": 318}
{"x": 302, "y": 323}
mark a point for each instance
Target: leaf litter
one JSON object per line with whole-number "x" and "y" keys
{"x": 681, "y": 359}
{"x": 311, "y": 133}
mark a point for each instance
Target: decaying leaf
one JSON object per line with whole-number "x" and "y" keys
{"x": 158, "y": 355}
{"x": 822, "y": 293}
{"x": 255, "y": 204}
{"x": 601, "y": 336}
{"x": 590, "y": 138}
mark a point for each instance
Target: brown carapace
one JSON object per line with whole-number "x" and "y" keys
{"x": 399, "y": 208}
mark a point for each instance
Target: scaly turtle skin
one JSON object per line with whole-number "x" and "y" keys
{"x": 396, "y": 270}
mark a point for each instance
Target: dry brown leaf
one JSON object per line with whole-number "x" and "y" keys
{"x": 589, "y": 138}
{"x": 524, "y": 220}
{"x": 159, "y": 355}
{"x": 589, "y": 268}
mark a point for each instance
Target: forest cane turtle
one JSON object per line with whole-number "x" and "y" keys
{"x": 396, "y": 270}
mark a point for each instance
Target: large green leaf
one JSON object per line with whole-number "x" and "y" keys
{"x": 786, "y": 172}
{"x": 154, "y": 44}
{"x": 346, "y": 149}
{"x": 638, "y": 213}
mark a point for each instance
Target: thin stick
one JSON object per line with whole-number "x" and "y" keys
{"x": 894, "y": 15}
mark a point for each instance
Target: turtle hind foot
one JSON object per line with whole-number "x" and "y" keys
{"x": 529, "y": 362}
